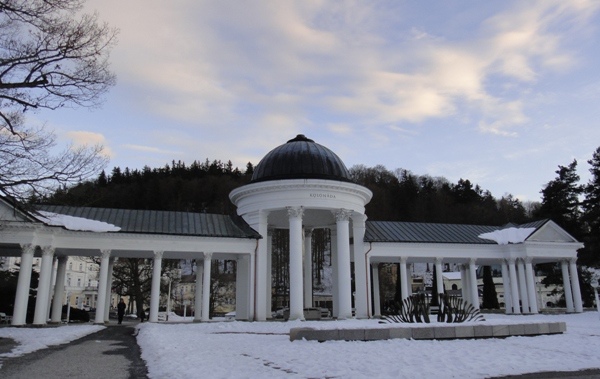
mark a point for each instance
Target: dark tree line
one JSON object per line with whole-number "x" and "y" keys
{"x": 199, "y": 187}
{"x": 403, "y": 196}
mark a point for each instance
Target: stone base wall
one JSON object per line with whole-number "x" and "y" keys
{"x": 438, "y": 332}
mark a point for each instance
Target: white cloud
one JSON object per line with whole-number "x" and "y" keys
{"x": 276, "y": 67}
{"x": 149, "y": 149}
{"x": 80, "y": 137}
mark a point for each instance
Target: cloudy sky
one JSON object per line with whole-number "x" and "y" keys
{"x": 497, "y": 92}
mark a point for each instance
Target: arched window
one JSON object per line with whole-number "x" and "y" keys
{"x": 81, "y": 267}
{"x": 454, "y": 287}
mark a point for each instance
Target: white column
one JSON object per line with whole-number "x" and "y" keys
{"x": 206, "y": 287}
{"x": 409, "y": 281}
{"x": 473, "y": 284}
{"x": 514, "y": 286}
{"x": 308, "y": 275}
{"x": 531, "y": 292}
{"x": 243, "y": 288}
{"x": 40, "y": 316}
{"x": 403, "y": 278}
{"x": 269, "y": 275}
{"x": 439, "y": 276}
{"x": 567, "y": 286}
{"x": 23, "y": 285}
{"x": 508, "y": 307}
{"x": 259, "y": 221}
{"x": 522, "y": 286}
{"x": 376, "y": 294}
{"x": 342, "y": 217}
{"x": 51, "y": 288}
{"x": 199, "y": 289}
{"x": 102, "y": 282}
{"x": 334, "y": 274}
{"x": 155, "y": 286}
{"x": 575, "y": 286}
{"x": 107, "y": 303}
{"x": 59, "y": 290}
{"x": 296, "y": 287}
{"x": 362, "y": 277}
{"x": 464, "y": 281}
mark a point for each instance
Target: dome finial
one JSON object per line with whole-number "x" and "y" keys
{"x": 300, "y": 137}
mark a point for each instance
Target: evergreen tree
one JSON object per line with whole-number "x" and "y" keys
{"x": 590, "y": 255}
{"x": 490, "y": 297}
{"x": 560, "y": 200}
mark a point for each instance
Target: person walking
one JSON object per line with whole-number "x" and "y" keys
{"x": 121, "y": 310}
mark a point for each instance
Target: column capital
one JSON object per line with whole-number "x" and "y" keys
{"x": 295, "y": 212}
{"x": 342, "y": 214}
{"x": 308, "y": 232}
{"x": 403, "y": 260}
{"x": 62, "y": 258}
{"x": 472, "y": 261}
{"x": 359, "y": 218}
{"x": 105, "y": 253}
{"x": 528, "y": 260}
{"x": 572, "y": 261}
{"x": 510, "y": 261}
{"x": 158, "y": 254}
{"x": 28, "y": 248}
{"x": 270, "y": 230}
{"x": 438, "y": 260}
{"x": 208, "y": 256}
{"x": 47, "y": 250}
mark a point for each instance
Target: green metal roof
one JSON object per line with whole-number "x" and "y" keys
{"x": 420, "y": 232}
{"x": 162, "y": 222}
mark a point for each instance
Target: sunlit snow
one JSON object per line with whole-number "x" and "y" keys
{"x": 239, "y": 349}
{"x": 76, "y": 223}
{"x": 508, "y": 235}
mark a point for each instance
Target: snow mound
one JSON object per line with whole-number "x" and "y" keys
{"x": 77, "y": 223}
{"x": 508, "y": 235}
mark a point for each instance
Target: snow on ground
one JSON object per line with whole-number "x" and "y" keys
{"x": 263, "y": 349}
{"x": 237, "y": 349}
{"x": 32, "y": 339}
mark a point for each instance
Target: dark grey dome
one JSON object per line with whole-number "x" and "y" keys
{"x": 301, "y": 158}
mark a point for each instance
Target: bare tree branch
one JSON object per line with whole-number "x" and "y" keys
{"x": 50, "y": 57}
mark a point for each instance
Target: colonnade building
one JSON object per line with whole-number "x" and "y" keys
{"x": 299, "y": 186}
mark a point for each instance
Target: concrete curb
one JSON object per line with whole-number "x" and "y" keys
{"x": 437, "y": 332}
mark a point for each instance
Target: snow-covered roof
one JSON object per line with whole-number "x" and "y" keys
{"x": 76, "y": 223}
{"x": 156, "y": 222}
{"x": 508, "y": 235}
{"x": 451, "y": 275}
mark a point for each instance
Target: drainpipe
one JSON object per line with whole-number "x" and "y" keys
{"x": 367, "y": 277}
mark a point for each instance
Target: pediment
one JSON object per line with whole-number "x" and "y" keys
{"x": 8, "y": 212}
{"x": 551, "y": 232}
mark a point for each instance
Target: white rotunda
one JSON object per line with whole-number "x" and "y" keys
{"x": 301, "y": 186}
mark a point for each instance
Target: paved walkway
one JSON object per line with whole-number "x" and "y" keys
{"x": 110, "y": 353}
{"x": 583, "y": 374}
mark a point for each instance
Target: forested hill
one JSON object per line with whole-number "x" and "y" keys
{"x": 204, "y": 187}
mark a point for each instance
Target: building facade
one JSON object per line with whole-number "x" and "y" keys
{"x": 299, "y": 187}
